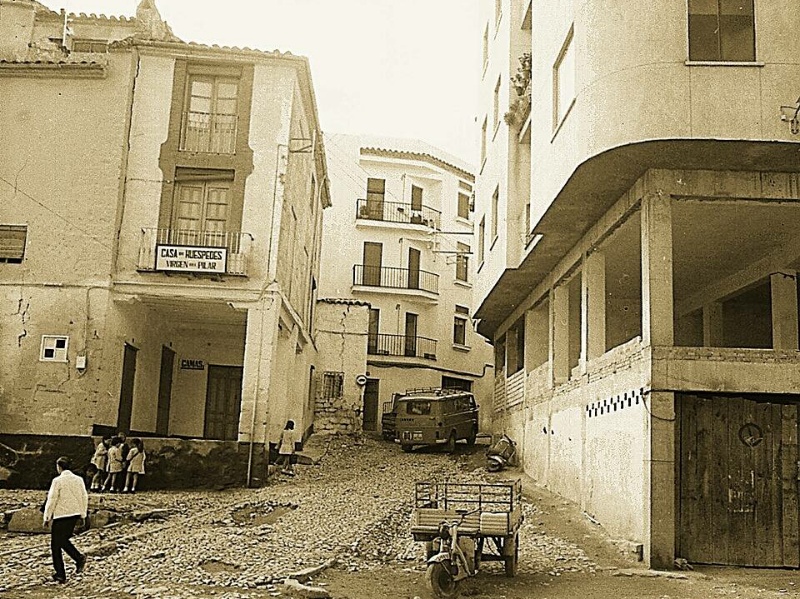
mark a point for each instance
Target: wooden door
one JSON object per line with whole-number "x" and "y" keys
{"x": 376, "y": 193}
{"x": 126, "y": 389}
{"x": 411, "y": 335}
{"x": 372, "y": 331}
{"x": 413, "y": 268}
{"x": 223, "y": 402}
{"x": 370, "y": 410}
{"x": 164, "y": 391}
{"x": 738, "y": 481}
{"x": 373, "y": 261}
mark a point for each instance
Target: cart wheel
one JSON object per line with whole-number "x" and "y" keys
{"x": 441, "y": 581}
{"x": 451, "y": 443}
{"x": 407, "y": 448}
{"x": 511, "y": 554}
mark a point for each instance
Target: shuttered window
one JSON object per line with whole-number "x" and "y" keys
{"x": 12, "y": 243}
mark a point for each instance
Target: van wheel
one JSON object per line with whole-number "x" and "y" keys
{"x": 473, "y": 436}
{"x": 451, "y": 443}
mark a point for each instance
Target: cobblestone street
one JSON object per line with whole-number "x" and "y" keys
{"x": 351, "y": 511}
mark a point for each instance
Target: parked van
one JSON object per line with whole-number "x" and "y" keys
{"x": 436, "y": 417}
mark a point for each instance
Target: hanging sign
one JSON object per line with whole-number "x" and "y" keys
{"x": 187, "y": 258}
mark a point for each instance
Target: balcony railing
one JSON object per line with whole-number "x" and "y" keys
{"x": 209, "y": 133}
{"x": 395, "y": 278}
{"x": 398, "y": 212}
{"x": 409, "y": 346}
{"x": 237, "y": 246}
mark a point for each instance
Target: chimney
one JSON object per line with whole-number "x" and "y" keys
{"x": 16, "y": 28}
{"x": 149, "y": 24}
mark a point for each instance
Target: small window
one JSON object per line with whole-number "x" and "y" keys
{"x": 462, "y": 310}
{"x": 463, "y": 206}
{"x": 54, "y": 348}
{"x": 495, "y": 212}
{"x": 459, "y": 330}
{"x": 485, "y": 45}
{"x": 12, "y": 243}
{"x": 481, "y": 240}
{"x": 722, "y": 30}
{"x": 563, "y": 80}
{"x": 418, "y": 408}
{"x": 416, "y": 198}
{"x": 332, "y": 385}
{"x": 93, "y": 46}
{"x": 498, "y": 11}
{"x": 496, "y": 122}
{"x": 484, "y": 127}
{"x": 462, "y": 262}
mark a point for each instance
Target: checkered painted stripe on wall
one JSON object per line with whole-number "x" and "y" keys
{"x": 616, "y": 403}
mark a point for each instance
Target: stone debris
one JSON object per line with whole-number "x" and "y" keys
{"x": 354, "y": 506}
{"x": 298, "y": 589}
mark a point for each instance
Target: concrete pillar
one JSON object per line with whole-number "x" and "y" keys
{"x": 560, "y": 347}
{"x": 259, "y": 363}
{"x": 659, "y": 488}
{"x": 712, "y": 325}
{"x": 784, "y": 311}
{"x": 657, "y": 299}
{"x": 593, "y": 336}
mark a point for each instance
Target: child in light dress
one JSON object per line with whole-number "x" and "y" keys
{"x": 115, "y": 466}
{"x": 286, "y": 448}
{"x": 136, "y": 458}
{"x": 100, "y": 461}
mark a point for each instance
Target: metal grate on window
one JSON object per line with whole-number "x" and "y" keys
{"x": 332, "y": 385}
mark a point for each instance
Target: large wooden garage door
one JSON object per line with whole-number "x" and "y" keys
{"x": 738, "y": 481}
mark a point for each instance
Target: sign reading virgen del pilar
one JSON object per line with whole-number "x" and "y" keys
{"x": 186, "y": 258}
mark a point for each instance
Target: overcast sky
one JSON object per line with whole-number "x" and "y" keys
{"x": 402, "y": 68}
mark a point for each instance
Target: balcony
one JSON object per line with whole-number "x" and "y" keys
{"x": 398, "y": 212}
{"x": 407, "y": 346}
{"x": 209, "y": 133}
{"x": 204, "y": 252}
{"x": 396, "y": 278}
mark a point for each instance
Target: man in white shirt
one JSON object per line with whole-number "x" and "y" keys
{"x": 67, "y": 501}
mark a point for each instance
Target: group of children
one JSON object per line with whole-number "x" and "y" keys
{"x": 118, "y": 463}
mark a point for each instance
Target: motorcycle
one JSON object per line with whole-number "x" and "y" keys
{"x": 501, "y": 454}
{"x": 451, "y": 559}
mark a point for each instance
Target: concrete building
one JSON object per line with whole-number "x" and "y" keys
{"x": 160, "y": 227}
{"x": 399, "y": 237}
{"x": 639, "y": 278}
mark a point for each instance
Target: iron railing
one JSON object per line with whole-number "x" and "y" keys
{"x": 395, "y": 278}
{"x": 410, "y": 346}
{"x": 398, "y": 212}
{"x": 209, "y": 133}
{"x": 237, "y": 244}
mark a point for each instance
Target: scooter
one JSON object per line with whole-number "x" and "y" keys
{"x": 501, "y": 454}
{"x": 451, "y": 559}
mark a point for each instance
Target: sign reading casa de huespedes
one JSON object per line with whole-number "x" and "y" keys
{"x": 188, "y": 258}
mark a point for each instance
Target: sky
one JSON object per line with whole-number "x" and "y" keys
{"x": 399, "y": 68}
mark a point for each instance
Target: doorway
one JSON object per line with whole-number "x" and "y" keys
{"x": 738, "y": 471}
{"x": 223, "y": 403}
{"x": 164, "y": 391}
{"x": 370, "y": 411}
{"x": 373, "y": 260}
{"x": 126, "y": 388}
{"x": 411, "y": 335}
{"x": 413, "y": 268}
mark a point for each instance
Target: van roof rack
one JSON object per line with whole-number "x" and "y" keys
{"x": 433, "y": 391}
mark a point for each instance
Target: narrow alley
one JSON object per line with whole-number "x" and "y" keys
{"x": 350, "y": 512}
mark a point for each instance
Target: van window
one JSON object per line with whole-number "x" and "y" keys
{"x": 463, "y": 404}
{"x": 418, "y": 408}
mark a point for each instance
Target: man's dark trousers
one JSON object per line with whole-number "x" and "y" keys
{"x": 60, "y": 533}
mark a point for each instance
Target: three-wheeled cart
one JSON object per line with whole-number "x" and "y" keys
{"x": 489, "y": 514}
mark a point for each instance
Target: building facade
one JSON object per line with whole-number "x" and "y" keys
{"x": 160, "y": 227}
{"x": 642, "y": 288}
{"x": 399, "y": 237}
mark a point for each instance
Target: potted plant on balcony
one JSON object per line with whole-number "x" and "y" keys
{"x": 416, "y": 218}
{"x": 521, "y": 82}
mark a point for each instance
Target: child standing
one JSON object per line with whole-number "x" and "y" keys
{"x": 136, "y": 457}
{"x": 114, "y": 465}
{"x": 286, "y": 448}
{"x": 100, "y": 461}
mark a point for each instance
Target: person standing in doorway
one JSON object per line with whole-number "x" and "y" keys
{"x": 286, "y": 448}
{"x": 67, "y": 501}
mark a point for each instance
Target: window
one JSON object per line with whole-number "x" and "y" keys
{"x": 564, "y": 80}
{"x": 12, "y": 243}
{"x": 463, "y": 206}
{"x": 483, "y": 139}
{"x": 497, "y": 104}
{"x": 722, "y": 30}
{"x": 94, "y": 46}
{"x": 460, "y": 325}
{"x": 372, "y": 331}
{"x": 313, "y": 197}
{"x": 202, "y": 208}
{"x": 54, "y": 348}
{"x": 209, "y": 122}
{"x": 495, "y": 212}
{"x": 452, "y": 382}
{"x": 376, "y": 192}
{"x": 498, "y": 10}
{"x": 332, "y": 385}
{"x": 462, "y": 262}
{"x": 481, "y": 240}
{"x": 416, "y": 198}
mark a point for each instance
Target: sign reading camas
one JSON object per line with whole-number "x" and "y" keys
{"x": 186, "y": 258}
